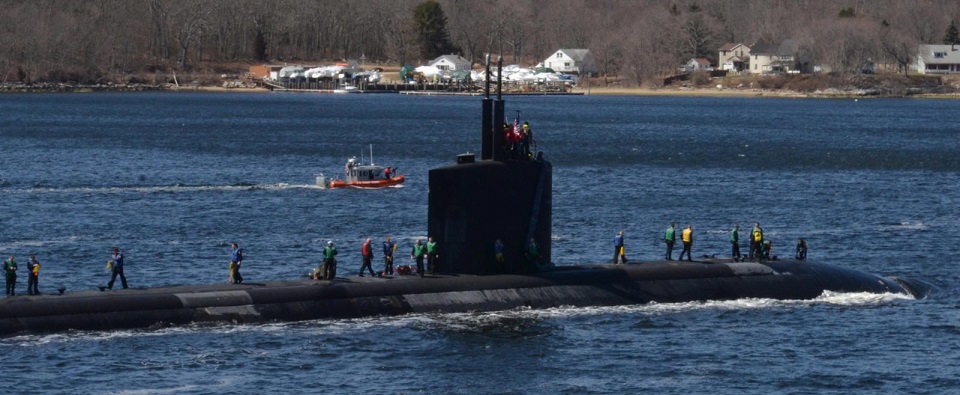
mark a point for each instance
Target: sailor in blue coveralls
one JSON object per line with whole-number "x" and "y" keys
{"x": 117, "y": 259}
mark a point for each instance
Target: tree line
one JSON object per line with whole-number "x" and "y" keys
{"x": 123, "y": 40}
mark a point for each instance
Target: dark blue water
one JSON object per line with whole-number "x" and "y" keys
{"x": 172, "y": 179}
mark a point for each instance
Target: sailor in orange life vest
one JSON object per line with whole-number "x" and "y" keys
{"x": 687, "y": 238}
{"x": 367, "y": 251}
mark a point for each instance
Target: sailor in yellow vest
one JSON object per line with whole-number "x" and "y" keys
{"x": 619, "y": 255}
{"x": 33, "y": 275}
{"x": 687, "y": 238}
{"x": 756, "y": 242}
{"x": 498, "y": 256}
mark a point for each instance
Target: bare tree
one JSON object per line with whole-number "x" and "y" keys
{"x": 397, "y": 30}
{"x": 97, "y": 40}
{"x": 189, "y": 21}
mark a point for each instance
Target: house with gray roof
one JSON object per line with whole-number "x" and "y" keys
{"x": 571, "y": 61}
{"x": 938, "y": 59}
{"x": 451, "y": 63}
{"x": 766, "y": 58}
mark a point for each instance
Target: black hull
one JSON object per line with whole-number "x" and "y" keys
{"x": 600, "y": 285}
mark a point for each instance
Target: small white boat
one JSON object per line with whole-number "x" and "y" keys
{"x": 347, "y": 88}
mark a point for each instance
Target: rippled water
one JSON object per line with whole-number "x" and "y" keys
{"x": 173, "y": 178}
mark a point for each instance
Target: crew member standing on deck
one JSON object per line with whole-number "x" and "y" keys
{"x": 117, "y": 259}
{"x": 756, "y": 242}
{"x": 670, "y": 237}
{"x": 366, "y": 251}
{"x": 236, "y": 258}
{"x": 418, "y": 252}
{"x": 508, "y": 139}
{"x": 329, "y": 270}
{"x": 33, "y": 275}
{"x": 433, "y": 253}
{"x": 619, "y": 255}
{"x": 10, "y": 272}
{"x": 687, "y": 237}
{"x": 389, "y": 247}
{"x": 533, "y": 255}
{"x": 498, "y": 257}
{"x": 801, "y": 249}
{"x": 526, "y": 137}
{"x": 735, "y": 243}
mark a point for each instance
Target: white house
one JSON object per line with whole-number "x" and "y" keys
{"x": 571, "y": 61}
{"x": 772, "y": 58}
{"x": 734, "y": 57}
{"x": 695, "y": 65}
{"x": 451, "y": 63}
{"x": 938, "y": 59}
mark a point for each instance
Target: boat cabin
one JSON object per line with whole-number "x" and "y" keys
{"x": 357, "y": 172}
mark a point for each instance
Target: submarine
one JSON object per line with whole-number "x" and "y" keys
{"x": 471, "y": 204}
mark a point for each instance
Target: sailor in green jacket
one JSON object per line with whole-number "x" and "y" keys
{"x": 670, "y": 237}
{"x": 418, "y": 252}
{"x": 533, "y": 254}
{"x": 10, "y": 270}
{"x": 735, "y": 243}
{"x": 433, "y": 253}
{"x": 329, "y": 270}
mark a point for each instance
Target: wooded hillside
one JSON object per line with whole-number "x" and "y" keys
{"x": 122, "y": 40}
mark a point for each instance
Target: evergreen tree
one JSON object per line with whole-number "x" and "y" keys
{"x": 952, "y": 36}
{"x": 260, "y": 46}
{"x": 431, "y": 26}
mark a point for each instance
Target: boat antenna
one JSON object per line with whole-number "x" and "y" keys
{"x": 488, "y": 129}
{"x": 371, "y": 155}
{"x": 500, "y": 78}
{"x": 486, "y": 88}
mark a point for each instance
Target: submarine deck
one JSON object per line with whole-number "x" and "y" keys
{"x": 351, "y": 297}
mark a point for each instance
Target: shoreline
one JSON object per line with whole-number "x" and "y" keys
{"x": 726, "y": 92}
{"x": 589, "y": 91}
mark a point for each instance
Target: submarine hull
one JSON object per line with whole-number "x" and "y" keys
{"x": 597, "y": 285}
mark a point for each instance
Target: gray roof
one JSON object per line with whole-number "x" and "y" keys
{"x": 951, "y": 54}
{"x": 578, "y": 55}
{"x": 455, "y": 59}
{"x": 788, "y": 47}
